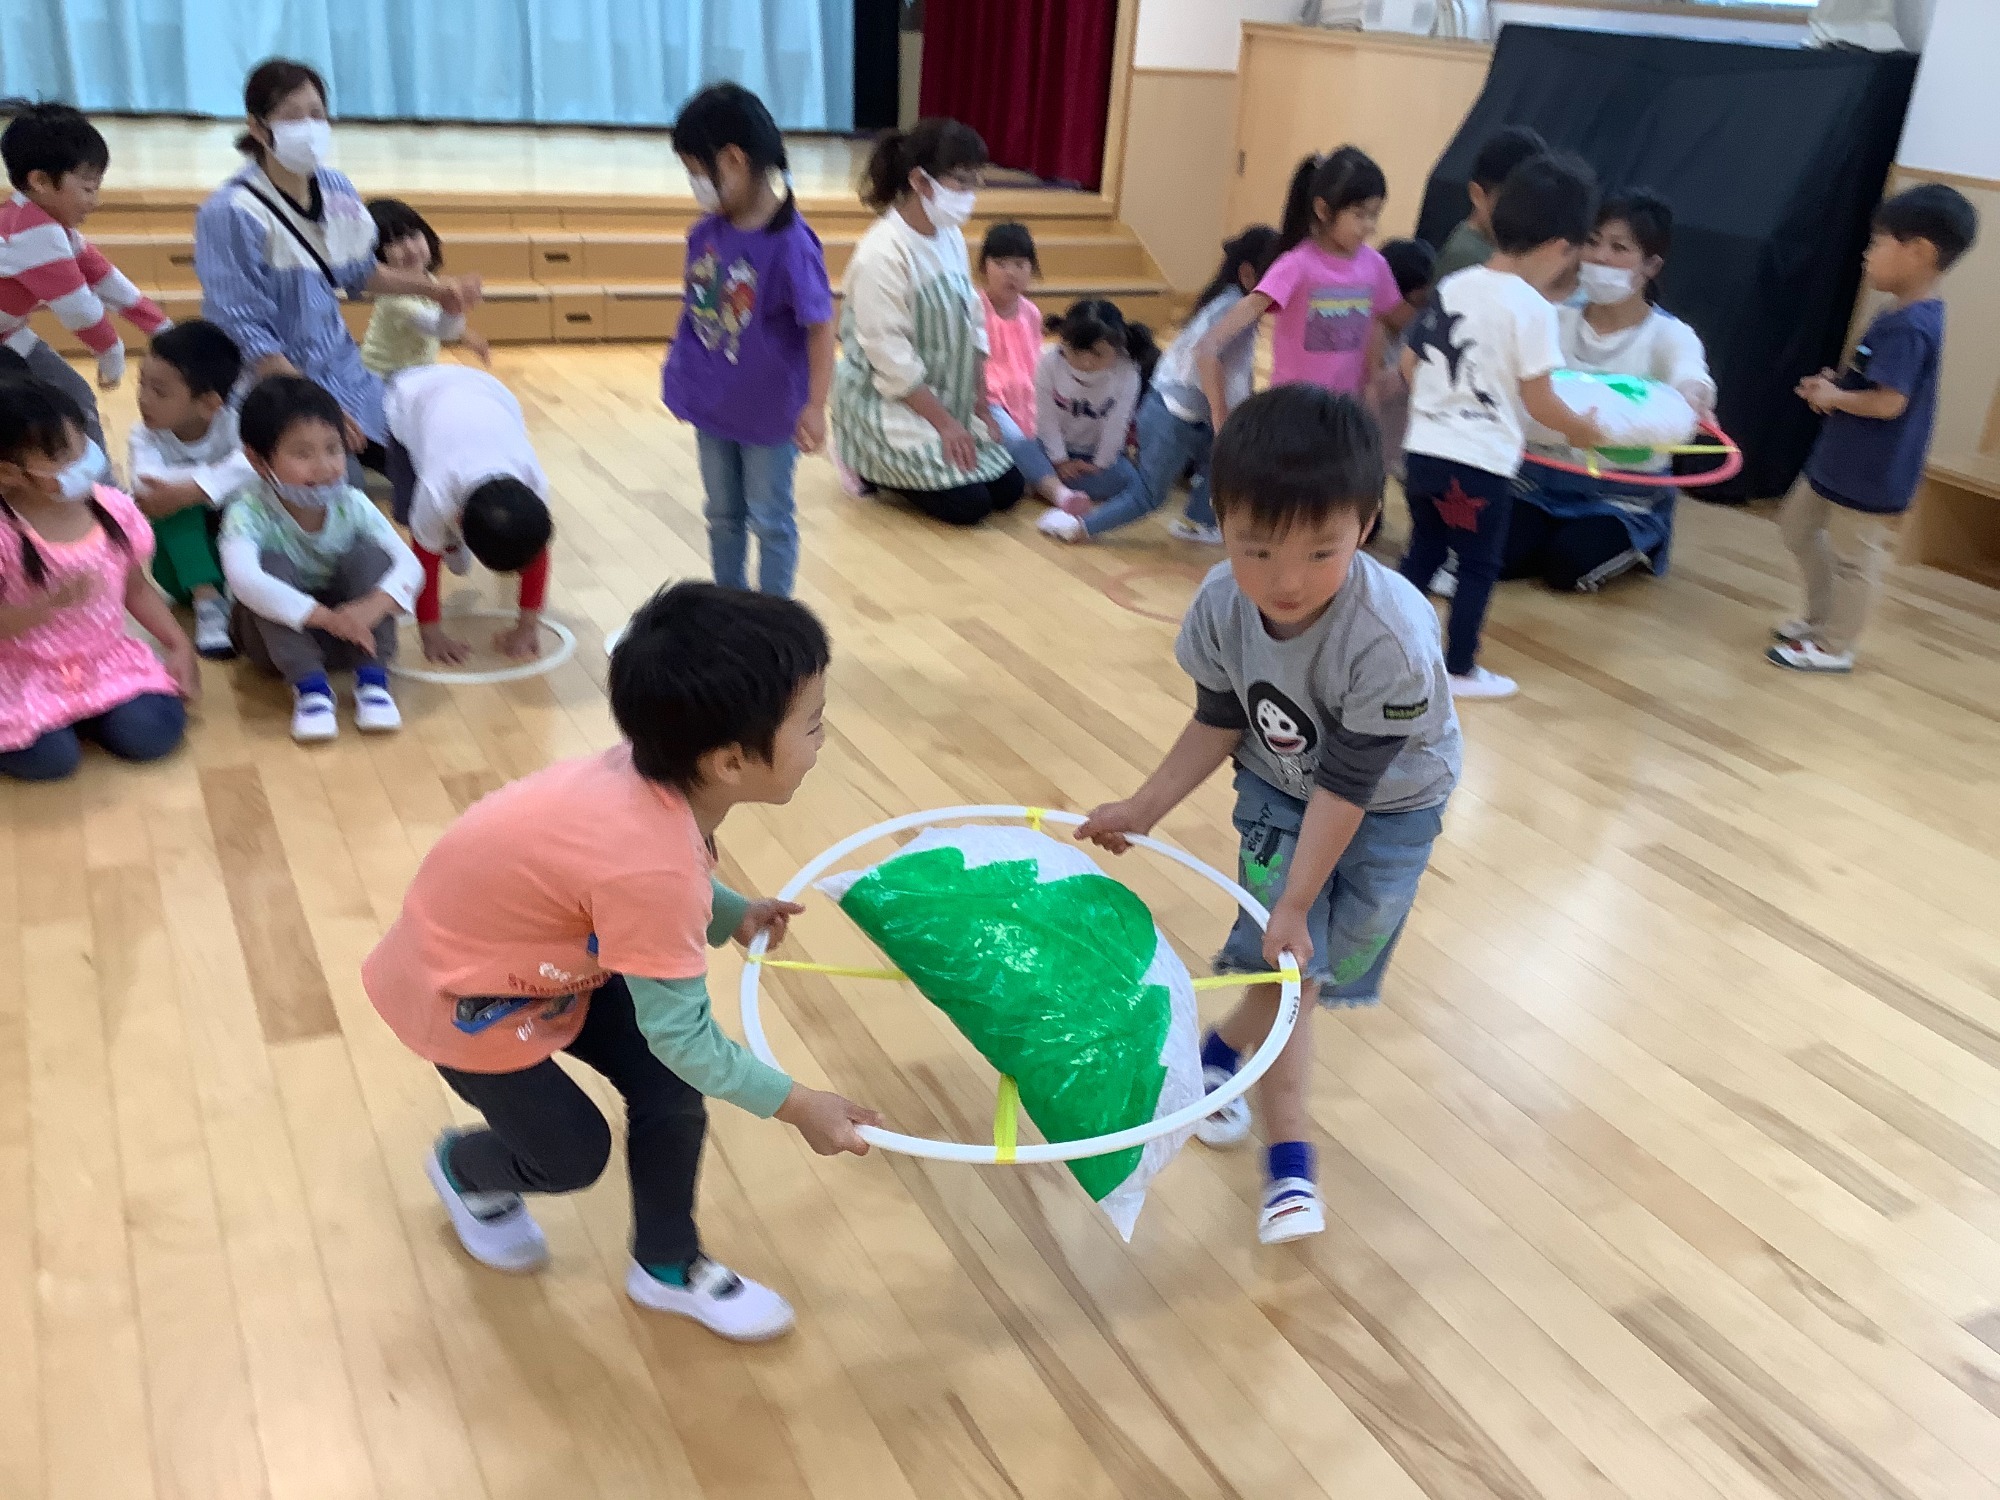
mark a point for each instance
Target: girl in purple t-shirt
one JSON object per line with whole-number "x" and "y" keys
{"x": 752, "y": 360}
{"x": 1330, "y": 287}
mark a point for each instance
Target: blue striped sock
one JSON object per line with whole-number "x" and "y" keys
{"x": 1292, "y": 1159}
{"x": 1216, "y": 1053}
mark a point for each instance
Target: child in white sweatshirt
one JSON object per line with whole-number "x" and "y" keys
{"x": 1086, "y": 388}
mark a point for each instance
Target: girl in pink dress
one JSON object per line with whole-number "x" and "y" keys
{"x": 73, "y": 556}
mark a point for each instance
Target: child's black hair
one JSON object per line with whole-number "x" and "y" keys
{"x": 701, "y": 668}
{"x": 1930, "y": 211}
{"x": 396, "y": 220}
{"x": 1297, "y": 455}
{"x": 1545, "y": 198}
{"x": 1093, "y": 321}
{"x": 1413, "y": 263}
{"x": 37, "y": 418}
{"x": 1503, "y": 151}
{"x": 277, "y": 404}
{"x": 934, "y": 145}
{"x": 727, "y": 114}
{"x": 49, "y": 137}
{"x": 1651, "y": 220}
{"x": 270, "y": 83}
{"x": 206, "y": 357}
{"x": 505, "y": 524}
{"x": 1256, "y": 247}
{"x": 1009, "y": 241}
{"x": 1339, "y": 179}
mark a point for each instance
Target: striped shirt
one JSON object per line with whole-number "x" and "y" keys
{"x": 263, "y": 288}
{"x": 45, "y": 264}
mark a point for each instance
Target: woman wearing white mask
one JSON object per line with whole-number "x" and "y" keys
{"x": 1577, "y": 533}
{"x": 909, "y": 393}
{"x": 279, "y": 245}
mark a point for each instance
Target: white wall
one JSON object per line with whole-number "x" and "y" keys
{"x": 1950, "y": 125}
{"x": 1199, "y": 34}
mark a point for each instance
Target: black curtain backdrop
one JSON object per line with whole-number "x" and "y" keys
{"x": 1773, "y": 160}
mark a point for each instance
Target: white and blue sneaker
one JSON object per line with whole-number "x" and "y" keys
{"x": 1228, "y": 1126}
{"x": 717, "y": 1298}
{"x": 1292, "y": 1211}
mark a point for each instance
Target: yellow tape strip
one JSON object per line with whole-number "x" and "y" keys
{"x": 1035, "y": 818}
{"x": 1006, "y": 1118}
{"x": 1233, "y": 981}
{"x": 839, "y": 971}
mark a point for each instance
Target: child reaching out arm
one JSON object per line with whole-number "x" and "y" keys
{"x": 408, "y": 329}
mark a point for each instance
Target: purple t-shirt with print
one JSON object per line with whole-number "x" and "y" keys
{"x": 737, "y": 367}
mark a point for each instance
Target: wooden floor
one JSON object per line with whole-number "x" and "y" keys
{"x": 1670, "y": 1168}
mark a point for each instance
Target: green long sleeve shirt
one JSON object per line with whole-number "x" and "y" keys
{"x": 679, "y": 1025}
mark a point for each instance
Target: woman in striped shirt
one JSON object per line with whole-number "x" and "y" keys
{"x": 279, "y": 244}
{"x": 909, "y": 394}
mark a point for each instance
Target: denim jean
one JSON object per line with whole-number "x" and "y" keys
{"x": 143, "y": 728}
{"x": 1167, "y": 446}
{"x": 750, "y": 491}
{"x": 1355, "y": 921}
{"x": 1027, "y": 452}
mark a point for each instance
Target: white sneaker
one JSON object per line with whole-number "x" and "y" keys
{"x": 459, "y": 559}
{"x": 1292, "y": 1211}
{"x": 211, "y": 630}
{"x": 1061, "y": 525}
{"x": 717, "y": 1298}
{"x": 1182, "y": 529}
{"x": 375, "y": 712}
{"x": 1229, "y": 1125}
{"x": 313, "y": 718}
{"x": 496, "y": 1229}
{"x": 1806, "y": 656}
{"x": 1790, "y": 632}
{"x": 1480, "y": 683}
{"x": 1444, "y": 582}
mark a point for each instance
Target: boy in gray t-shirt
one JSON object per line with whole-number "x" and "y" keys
{"x": 1320, "y": 673}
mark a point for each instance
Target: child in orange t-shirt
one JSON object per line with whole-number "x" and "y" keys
{"x": 569, "y": 911}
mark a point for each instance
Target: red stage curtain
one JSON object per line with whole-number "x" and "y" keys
{"x": 1031, "y": 76}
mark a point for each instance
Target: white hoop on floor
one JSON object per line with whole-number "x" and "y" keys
{"x": 1254, "y": 1067}
{"x": 548, "y": 661}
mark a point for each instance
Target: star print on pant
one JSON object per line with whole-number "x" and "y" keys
{"x": 1459, "y": 510}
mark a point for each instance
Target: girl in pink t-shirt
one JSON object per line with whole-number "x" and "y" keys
{"x": 1007, "y": 264}
{"x": 1328, "y": 285}
{"x": 73, "y": 557}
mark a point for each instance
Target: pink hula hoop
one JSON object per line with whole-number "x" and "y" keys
{"x": 1729, "y": 468}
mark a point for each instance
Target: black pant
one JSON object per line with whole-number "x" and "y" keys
{"x": 1564, "y": 551}
{"x": 967, "y": 504}
{"x": 544, "y": 1135}
{"x": 402, "y": 481}
{"x": 1457, "y": 508}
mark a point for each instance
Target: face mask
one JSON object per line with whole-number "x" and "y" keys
{"x": 301, "y": 145}
{"x": 707, "y": 197}
{"x": 949, "y": 208}
{"x": 83, "y": 476}
{"x": 1605, "y": 284}
{"x": 307, "y": 496}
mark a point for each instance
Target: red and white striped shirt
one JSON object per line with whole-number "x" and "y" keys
{"x": 44, "y": 264}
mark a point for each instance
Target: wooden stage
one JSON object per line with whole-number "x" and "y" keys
{"x": 1670, "y": 1168}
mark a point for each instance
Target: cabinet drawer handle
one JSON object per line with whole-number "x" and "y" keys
{"x": 556, "y": 256}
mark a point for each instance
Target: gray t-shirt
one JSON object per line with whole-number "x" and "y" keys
{"x": 1179, "y": 381}
{"x": 1371, "y": 668}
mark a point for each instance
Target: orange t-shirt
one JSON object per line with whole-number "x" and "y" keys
{"x": 488, "y": 968}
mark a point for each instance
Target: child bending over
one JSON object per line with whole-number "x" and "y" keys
{"x": 72, "y": 565}
{"x": 1869, "y": 459}
{"x": 318, "y": 572}
{"x": 468, "y": 485}
{"x": 1086, "y": 388}
{"x": 406, "y": 330}
{"x": 186, "y": 462}
{"x": 1317, "y": 670}
{"x": 568, "y": 913}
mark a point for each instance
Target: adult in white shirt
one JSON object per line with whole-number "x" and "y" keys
{"x": 1573, "y": 532}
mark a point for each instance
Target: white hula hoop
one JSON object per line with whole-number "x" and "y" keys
{"x": 548, "y": 662}
{"x": 1254, "y": 1067}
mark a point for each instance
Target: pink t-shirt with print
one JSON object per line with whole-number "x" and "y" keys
{"x": 79, "y": 662}
{"x": 1325, "y": 306}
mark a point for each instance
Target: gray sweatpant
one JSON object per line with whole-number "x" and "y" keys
{"x": 297, "y": 654}
{"x": 47, "y": 365}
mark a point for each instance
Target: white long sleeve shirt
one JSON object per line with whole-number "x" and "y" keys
{"x": 256, "y": 524}
{"x": 214, "y": 461}
{"x": 1079, "y": 414}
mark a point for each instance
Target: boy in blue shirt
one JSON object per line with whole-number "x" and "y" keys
{"x": 1865, "y": 468}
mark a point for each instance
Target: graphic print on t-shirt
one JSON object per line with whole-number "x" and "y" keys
{"x": 721, "y": 307}
{"x": 1080, "y": 406}
{"x": 1337, "y": 319}
{"x": 1437, "y": 331}
{"x": 1287, "y": 730}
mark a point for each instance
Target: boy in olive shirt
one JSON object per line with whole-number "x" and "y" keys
{"x": 1471, "y": 243}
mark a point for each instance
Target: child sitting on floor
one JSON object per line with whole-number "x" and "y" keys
{"x": 406, "y": 330}
{"x": 186, "y": 462}
{"x": 1087, "y": 387}
{"x": 1007, "y": 264}
{"x": 318, "y": 572}
{"x": 72, "y": 565}
{"x": 467, "y": 484}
